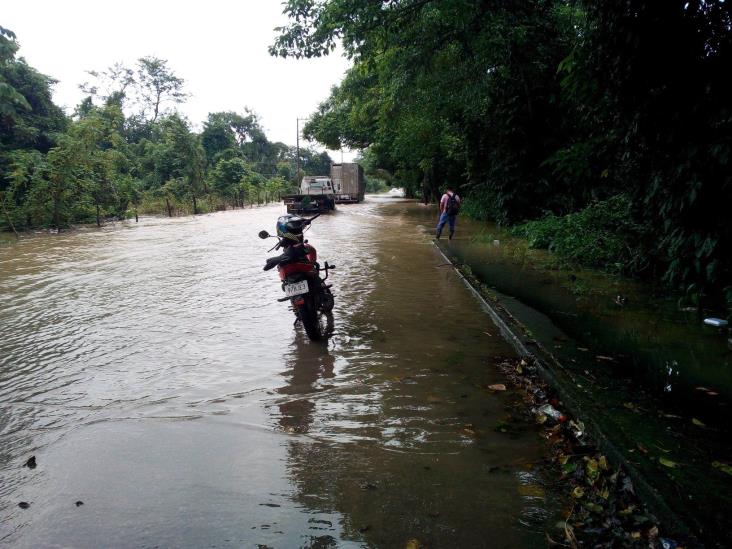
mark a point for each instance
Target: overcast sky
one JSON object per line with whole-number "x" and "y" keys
{"x": 218, "y": 47}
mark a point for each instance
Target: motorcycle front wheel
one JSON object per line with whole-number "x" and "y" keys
{"x": 326, "y": 300}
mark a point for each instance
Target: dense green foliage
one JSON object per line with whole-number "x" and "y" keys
{"x": 599, "y": 236}
{"x": 125, "y": 151}
{"x": 543, "y": 106}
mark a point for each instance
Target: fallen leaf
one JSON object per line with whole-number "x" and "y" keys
{"x": 578, "y": 492}
{"x": 531, "y": 490}
{"x": 602, "y": 463}
{"x": 697, "y": 422}
{"x": 469, "y": 429}
{"x": 667, "y": 463}
{"x": 497, "y": 387}
{"x": 412, "y": 544}
{"x": 722, "y": 467}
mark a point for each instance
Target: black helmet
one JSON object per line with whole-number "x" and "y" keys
{"x": 290, "y": 227}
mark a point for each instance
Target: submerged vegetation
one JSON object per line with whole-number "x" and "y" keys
{"x": 582, "y": 115}
{"x": 125, "y": 150}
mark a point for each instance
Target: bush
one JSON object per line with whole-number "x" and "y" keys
{"x": 602, "y": 235}
{"x": 481, "y": 204}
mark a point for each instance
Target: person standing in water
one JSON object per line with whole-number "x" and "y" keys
{"x": 449, "y": 208}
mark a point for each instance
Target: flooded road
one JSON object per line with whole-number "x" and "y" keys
{"x": 153, "y": 374}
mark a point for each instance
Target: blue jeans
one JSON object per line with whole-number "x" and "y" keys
{"x": 445, "y": 218}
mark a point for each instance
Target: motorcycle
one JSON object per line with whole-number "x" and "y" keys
{"x": 300, "y": 273}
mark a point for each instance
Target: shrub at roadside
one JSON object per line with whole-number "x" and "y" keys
{"x": 603, "y": 235}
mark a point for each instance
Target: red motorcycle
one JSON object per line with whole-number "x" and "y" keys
{"x": 300, "y": 272}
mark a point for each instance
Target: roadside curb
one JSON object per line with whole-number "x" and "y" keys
{"x": 553, "y": 373}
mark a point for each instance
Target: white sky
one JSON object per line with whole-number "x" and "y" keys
{"x": 219, "y": 47}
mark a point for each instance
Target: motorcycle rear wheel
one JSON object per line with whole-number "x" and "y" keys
{"x": 310, "y": 320}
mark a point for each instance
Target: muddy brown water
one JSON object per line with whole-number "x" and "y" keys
{"x": 153, "y": 374}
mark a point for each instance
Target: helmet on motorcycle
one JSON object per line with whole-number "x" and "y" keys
{"x": 290, "y": 227}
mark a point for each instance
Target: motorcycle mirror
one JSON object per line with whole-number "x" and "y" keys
{"x": 263, "y": 234}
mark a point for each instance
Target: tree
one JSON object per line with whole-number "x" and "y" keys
{"x": 11, "y": 101}
{"x": 534, "y": 106}
{"x": 158, "y": 85}
{"x": 143, "y": 90}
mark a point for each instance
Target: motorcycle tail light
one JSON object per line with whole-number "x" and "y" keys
{"x": 299, "y": 301}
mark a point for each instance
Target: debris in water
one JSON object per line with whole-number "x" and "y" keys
{"x": 31, "y": 463}
{"x": 725, "y": 468}
{"x": 24, "y": 505}
{"x": 79, "y": 503}
{"x": 605, "y": 511}
{"x": 668, "y": 463}
{"x": 368, "y": 486}
{"x": 548, "y": 411}
{"x": 469, "y": 429}
{"x": 716, "y": 322}
{"x": 497, "y": 387}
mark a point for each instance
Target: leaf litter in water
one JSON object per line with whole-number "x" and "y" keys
{"x": 722, "y": 467}
{"x": 667, "y": 463}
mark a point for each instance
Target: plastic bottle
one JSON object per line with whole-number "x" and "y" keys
{"x": 549, "y": 411}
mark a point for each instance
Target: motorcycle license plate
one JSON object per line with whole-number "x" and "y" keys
{"x": 296, "y": 288}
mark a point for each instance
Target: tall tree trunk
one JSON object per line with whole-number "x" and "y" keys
{"x": 56, "y": 213}
{"x": 167, "y": 204}
{"x": 10, "y": 221}
{"x": 136, "y": 218}
{"x": 194, "y": 205}
{"x": 98, "y": 222}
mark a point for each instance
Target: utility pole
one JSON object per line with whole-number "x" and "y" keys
{"x": 298, "y": 147}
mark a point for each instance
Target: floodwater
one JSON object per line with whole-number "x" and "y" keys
{"x": 155, "y": 377}
{"x": 652, "y": 378}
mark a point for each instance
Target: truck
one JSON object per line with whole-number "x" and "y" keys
{"x": 349, "y": 185}
{"x": 316, "y": 196}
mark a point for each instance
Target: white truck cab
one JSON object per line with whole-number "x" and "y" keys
{"x": 316, "y": 185}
